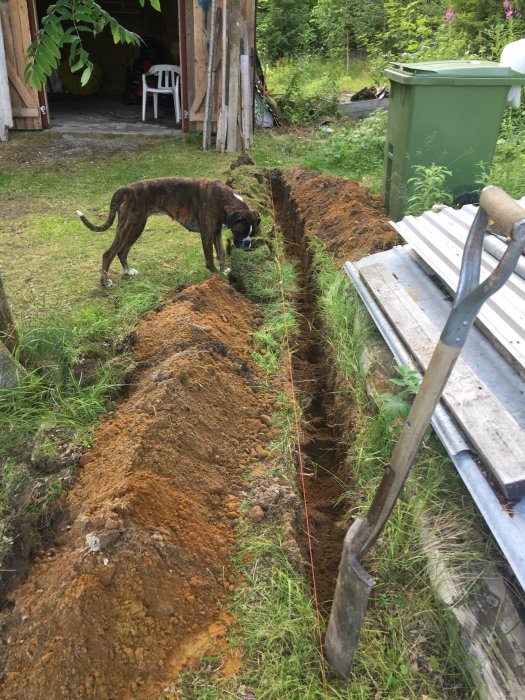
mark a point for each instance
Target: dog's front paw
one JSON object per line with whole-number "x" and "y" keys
{"x": 106, "y": 282}
{"x": 131, "y": 272}
{"x": 226, "y": 271}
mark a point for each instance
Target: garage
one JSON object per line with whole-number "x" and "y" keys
{"x": 180, "y": 35}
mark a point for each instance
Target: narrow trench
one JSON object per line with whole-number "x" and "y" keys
{"x": 322, "y": 454}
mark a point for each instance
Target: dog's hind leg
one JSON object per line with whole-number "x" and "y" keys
{"x": 219, "y": 248}
{"x": 138, "y": 228}
{"x": 126, "y": 231}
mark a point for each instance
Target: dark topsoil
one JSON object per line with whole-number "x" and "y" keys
{"x": 135, "y": 587}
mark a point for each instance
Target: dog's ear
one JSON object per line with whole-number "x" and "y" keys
{"x": 233, "y": 217}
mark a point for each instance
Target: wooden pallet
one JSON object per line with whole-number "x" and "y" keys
{"x": 497, "y": 437}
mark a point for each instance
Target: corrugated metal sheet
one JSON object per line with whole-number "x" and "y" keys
{"x": 506, "y": 521}
{"x": 438, "y": 238}
{"x": 495, "y": 350}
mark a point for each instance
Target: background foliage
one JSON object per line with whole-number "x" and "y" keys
{"x": 392, "y": 27}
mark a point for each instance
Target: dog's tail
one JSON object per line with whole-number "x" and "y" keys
{"x": 116, "y": 201}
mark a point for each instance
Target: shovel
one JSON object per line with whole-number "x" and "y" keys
{"x": 353, "y": 582}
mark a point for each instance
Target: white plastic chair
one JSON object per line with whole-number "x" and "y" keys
{"x": 167, "y": 84}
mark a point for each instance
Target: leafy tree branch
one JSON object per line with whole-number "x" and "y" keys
{"x": 62, "y": 27}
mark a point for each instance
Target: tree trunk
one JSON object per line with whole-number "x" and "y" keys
{"x": 8, "y": 333}
{"x": 10, "y": 370}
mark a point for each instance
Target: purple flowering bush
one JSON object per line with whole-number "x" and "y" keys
{"x": 510, "y": 11}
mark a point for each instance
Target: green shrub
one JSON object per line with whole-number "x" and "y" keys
{"x": 353, "y": 150}
{"x": 304, "y": 100}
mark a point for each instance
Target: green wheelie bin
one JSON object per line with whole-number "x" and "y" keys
{"x": 446, "y": 113}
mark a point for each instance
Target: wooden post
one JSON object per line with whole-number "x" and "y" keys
{"x": 206, "y": 134}
{"x": 245, "y": 101}
{"x": 246, "y": 91}
{"x": 6, "y": 116}
{"x": 222, "y": 119}
{"x": 11, "y": 371}
{"x": 233, "y": 136}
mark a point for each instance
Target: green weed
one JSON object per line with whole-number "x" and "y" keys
{"x": 397, "y": 405}
{"x": 427, "y": 187}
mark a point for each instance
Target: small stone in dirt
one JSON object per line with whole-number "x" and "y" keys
{"x": 256, "y": 513}
{"x": 136, "y": 609}
{"x": 92, "y": 542}
{"x": 266, "y": 420}
{"x": 275, "y": 497}
{"x": 107, "y": 538}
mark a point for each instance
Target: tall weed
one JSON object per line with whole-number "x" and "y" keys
{"x": 426, "y": 188}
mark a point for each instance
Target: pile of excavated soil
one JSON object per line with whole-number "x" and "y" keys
{"x": 135, "y": 587}
{"x": 349, "y": 220}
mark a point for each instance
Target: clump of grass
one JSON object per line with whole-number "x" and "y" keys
{"x": 346, "y": 323}
{"x": 283, "y": 622}
{"x": 268, "y": 278}
{"x": 306, "y": 87}
{"x": 283, "y": 420}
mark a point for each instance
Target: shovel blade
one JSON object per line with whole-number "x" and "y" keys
{"x": 350, "y": 602}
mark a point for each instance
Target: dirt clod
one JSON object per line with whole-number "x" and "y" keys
{"x": 256, "y": 513}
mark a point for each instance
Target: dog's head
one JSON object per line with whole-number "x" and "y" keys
{"x": 244, "y": 223}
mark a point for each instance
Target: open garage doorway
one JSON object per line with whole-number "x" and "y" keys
{"x": 112, "y": 99}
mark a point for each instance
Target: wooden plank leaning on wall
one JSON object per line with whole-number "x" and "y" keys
{"x": 6, "y": 116}
{"x": 232, "y": 71}
{"x": 17, "y": 37}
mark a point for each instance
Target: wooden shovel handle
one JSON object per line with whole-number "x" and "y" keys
{"x": 501, "y": 208}
{"x": 434, "y": 381}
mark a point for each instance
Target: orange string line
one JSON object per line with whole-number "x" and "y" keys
{"x": 301, "y": 463}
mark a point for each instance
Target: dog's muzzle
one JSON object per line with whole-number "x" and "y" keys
{"x": 246, "y": 243}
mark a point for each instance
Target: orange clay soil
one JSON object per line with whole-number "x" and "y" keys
{"x": 135, "y": 587}
{"x": 349, "y": 220}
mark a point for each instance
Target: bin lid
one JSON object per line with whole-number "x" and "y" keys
{"x": 454, "y": 73}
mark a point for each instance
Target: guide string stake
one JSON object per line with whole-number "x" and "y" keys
{"x": 301, "y": 462}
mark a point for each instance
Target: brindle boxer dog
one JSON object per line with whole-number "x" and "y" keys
{"x": 198, "y": 204}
